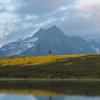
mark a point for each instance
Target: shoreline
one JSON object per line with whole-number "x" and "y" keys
{"x": 25, "y": 79}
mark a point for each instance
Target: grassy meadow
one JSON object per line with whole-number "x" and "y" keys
{"x": 51, "y": 67}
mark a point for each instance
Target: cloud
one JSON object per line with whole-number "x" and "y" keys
{"x": 41, "y": 6}
{"x": 7, "y": 23}
{"x": 8, "y": 6}
{"x": 15, "y": 24}
{"x": 8, "y": 18}
{"x": 86, "y": 6}
{"x": 21, "y": 18}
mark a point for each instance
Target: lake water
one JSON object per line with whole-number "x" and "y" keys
{"x": 61, "y": 90}
{"x": 30, "y": 97}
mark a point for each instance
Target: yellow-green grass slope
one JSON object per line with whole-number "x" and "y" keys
{"x": 51, "y": 67}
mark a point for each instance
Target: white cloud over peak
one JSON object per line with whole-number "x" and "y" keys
{"x": 21, "y": 18}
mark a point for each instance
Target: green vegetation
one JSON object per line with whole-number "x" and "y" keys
{"x": 51, "y": 67}
{"x": 51, "y": 75}
{"x": 50, "y": 52}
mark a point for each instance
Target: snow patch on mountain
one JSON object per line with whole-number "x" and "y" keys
{"x": 97, "y": 50}
{"x": 50, "y": 39}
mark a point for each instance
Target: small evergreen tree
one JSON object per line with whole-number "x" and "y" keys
{"x": 50, "y": 52}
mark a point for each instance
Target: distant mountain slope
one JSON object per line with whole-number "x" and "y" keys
{"x": 50, "y": 39}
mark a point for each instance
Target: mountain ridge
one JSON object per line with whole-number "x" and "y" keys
{"x": 49, "y": 39}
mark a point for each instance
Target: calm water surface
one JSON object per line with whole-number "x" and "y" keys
{"x": 26, "y": 90}
{"x": 30, "y": 97}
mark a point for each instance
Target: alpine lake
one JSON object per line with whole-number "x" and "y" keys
{"x": 35, "y": 89}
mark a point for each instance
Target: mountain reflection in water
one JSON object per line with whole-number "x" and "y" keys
{"x": 29, "y": 97}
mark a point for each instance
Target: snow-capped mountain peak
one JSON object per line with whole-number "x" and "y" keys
{"x": 50, "y": 39}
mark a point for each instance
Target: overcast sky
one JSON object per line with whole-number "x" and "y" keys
{"x": 21, "y": 18}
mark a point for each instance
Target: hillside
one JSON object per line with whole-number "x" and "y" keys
{"x": 65, "y": 66}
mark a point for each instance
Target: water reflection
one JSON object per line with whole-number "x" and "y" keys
{"x": 59, "y": 90}
{"x": 29, "y": 97}
{"x": 73, "y": 87}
